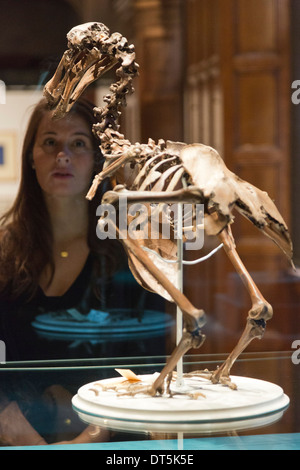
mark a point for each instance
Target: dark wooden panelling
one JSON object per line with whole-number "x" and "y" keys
{"x": 237, "y": 99}
{"x": 256, "y": 109}
{"x": 255, "y": 68}
{"x": 237, "y": 89}
{"x": 255, "y": 26}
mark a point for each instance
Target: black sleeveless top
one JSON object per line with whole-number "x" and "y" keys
{"x": 24, "y": 342}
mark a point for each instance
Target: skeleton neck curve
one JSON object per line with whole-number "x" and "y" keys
{"x": 107, "y": 128}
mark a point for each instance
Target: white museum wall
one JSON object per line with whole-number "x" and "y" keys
{"x": 15, "y": 111}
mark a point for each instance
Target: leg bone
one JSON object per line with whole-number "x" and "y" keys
{"x": 194, "y": 319}
{"x": 260, "y": 312}
{"x": 188, "y": 341}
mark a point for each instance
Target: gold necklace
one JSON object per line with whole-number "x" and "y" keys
{"x": 66, "y": 253}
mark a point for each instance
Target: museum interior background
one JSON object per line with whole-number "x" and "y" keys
{"x": 212, "y": 71}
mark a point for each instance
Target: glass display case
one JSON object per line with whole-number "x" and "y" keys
{"x": 233, "y": 95}
{"x": 44, "y": 390}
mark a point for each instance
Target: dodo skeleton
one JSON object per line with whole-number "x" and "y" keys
{"x": 164, "y": 173}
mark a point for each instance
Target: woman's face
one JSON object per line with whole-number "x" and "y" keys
{"x": 63, "y": 156}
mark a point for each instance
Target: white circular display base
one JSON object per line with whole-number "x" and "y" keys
{"x": 217, "y": 408}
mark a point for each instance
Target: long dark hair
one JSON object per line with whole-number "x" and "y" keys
{"x": 26, "y": 236}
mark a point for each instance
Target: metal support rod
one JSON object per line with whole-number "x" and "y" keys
{"x": 179, "y": 317}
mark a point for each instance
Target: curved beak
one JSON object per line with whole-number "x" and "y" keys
{"x": 77, "y": 69}
{"x": 91, "y": 52}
